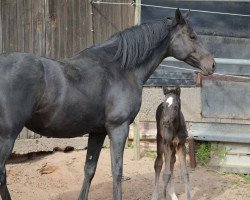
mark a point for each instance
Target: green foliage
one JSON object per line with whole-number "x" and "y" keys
{"x": 203, "y": 153}
{"x": 129, "y": 145}
{"x": 246, "y": 177}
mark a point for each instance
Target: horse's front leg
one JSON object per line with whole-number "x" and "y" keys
{"x": 118, "y": 136}
{"x": 95, "y": 143}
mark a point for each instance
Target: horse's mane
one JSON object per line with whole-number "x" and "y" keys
{"x": 136, "y": 43}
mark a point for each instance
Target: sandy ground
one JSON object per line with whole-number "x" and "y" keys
{"x": 65, "y": 175}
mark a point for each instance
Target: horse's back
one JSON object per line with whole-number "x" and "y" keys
{"x": 73, "y": 100}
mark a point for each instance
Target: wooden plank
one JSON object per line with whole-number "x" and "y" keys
{"x": 20, "y": 25}
{"x": 96, "y": 23}
{"x": 51, "y": 28}
{"x": 238, "y": 133}
{"x": 136, "y": 132}
{"x": 63, "y": 28}
{"x": 12, "y": 25}
{"x": 38, "y": 27}
{"x": 82, "y": 15}
{"x": 48, "y": 28}
{"x": 137, "y": 121}
{"x": 88, "y": 28}
{"x": 61, "y": 10}
{"x": 5, "y": 26}
{"x": 231, "y": 157}
{"x": 233, "y": 148}
{"x": 28, "y": 36}
{"x": 70, "y": 24}
{"x": 75, "y": 16}
{"x": 56, "y": 30}
{"x": 138, "y": 13}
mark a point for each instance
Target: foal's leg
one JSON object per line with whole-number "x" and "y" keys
{"x": 95, "y": 143}
{"x": 158, "y": 167}
{"x": 118, "y": 136}
{"x": 182, "y": 156}
{"x": 167, "y": 171}
{"x": 171, "y": 189}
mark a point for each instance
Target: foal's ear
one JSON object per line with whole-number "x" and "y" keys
{"x": 165, "y": 90}
{"x": 178, "y": 17}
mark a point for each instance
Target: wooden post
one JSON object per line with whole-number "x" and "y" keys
{"x": 136, "y": 132}
{"x": 136, "y": 129}
{"x": 137, "y": 12}
{"x": 191, "y": 145}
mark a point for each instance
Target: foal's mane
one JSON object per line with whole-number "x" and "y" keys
{"x": 136, "y": 43}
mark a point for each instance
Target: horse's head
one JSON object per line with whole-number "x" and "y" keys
{"x": 171, "y": 104}
{"x": 184, "y": 45}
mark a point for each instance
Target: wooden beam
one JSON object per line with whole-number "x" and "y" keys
{"x": 136, "y": 129}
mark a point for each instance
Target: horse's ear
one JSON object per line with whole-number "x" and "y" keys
{"x": 178, "y": 90}
{"x": 165, "y": 90}
{"x": 178, "y": 17}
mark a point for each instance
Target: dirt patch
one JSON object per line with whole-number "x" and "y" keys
{"x": 64, "y": 178}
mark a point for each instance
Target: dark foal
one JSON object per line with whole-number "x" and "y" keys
{"x": 171, "y": 137}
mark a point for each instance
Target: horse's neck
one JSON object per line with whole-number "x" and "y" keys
{"x": 150, "y": 64}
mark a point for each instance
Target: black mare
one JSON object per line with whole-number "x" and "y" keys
{"x": 98, "y": 91}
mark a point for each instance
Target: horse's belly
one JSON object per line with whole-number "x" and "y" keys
{"x": 65, "y": 126}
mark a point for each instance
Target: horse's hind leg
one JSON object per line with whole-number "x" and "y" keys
{"x": 6, "y": 146}
{"x": 158, "y": 166}
{"x": 182, "y": 156}
{"x": 95, "y": 143}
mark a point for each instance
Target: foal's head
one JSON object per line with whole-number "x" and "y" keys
{"x": 184, "y": 45}
{"x": 171, "y": 105}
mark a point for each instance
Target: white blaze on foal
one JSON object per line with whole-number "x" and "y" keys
{"x": 169, "y": 101}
